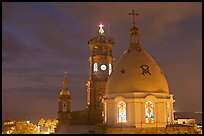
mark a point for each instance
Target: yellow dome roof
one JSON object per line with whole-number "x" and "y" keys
{"x": 136, "y": 71}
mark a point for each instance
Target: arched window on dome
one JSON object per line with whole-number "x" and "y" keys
{"x": 95, "y": 67}
{"x": 149, "y": 112}
{"x": 121, "y": 106}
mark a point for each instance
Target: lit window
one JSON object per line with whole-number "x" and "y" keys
{"x": 121, "y": 111}
{"x": 105, "y": 111}
{"x": 149, "y": 112}
{"x": 95, "y": 67}
{"x": 110, "y": 69}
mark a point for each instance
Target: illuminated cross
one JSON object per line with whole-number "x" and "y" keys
{"x": 101, "y": 31}
{"x": 133, "y": 16}
{"x": 101, "y": 26}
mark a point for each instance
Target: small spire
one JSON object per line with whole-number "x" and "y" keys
{"x": 65, "y": 80}
{"x": 133, "y": 16}
{"x": 101, "y": 31}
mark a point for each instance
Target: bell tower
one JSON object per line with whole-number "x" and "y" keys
{"x": 101, "y": 66}
{"x": 64, "y": 103}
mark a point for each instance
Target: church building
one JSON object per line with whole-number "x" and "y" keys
{"x": 129, "y": 96}
{"x": 137, "y": 92}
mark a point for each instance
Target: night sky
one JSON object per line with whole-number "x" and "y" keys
{"x": 42, "y": 40}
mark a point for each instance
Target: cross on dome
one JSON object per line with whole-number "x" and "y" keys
{"x": 133, "y": 16}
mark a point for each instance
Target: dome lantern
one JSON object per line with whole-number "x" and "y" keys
{"x": 134, "y": 35}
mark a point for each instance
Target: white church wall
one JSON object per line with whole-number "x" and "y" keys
{"x": 131, "y": 113}
{"x": 138, "y": 114}
{"x": 161, "y": 114}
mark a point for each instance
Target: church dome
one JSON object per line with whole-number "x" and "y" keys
{"x": 136, "y": 71}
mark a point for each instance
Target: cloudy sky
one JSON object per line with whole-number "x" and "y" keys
{"x": 42, "y": 40}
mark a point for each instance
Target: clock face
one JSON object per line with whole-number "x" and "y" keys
{"x": 103, "y": 67}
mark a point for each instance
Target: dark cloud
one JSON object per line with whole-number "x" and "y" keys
{"x": 13, "y": 50}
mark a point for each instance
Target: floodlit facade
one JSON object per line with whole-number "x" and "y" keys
{"x": 132, "y": 94}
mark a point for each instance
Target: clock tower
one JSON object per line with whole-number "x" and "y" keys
{"x": 101, "y": 66}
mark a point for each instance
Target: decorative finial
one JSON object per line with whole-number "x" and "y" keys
{"x": 133, "y": 16}
{"x": 65, "y": 80}
{"x": 101, "y": 31}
